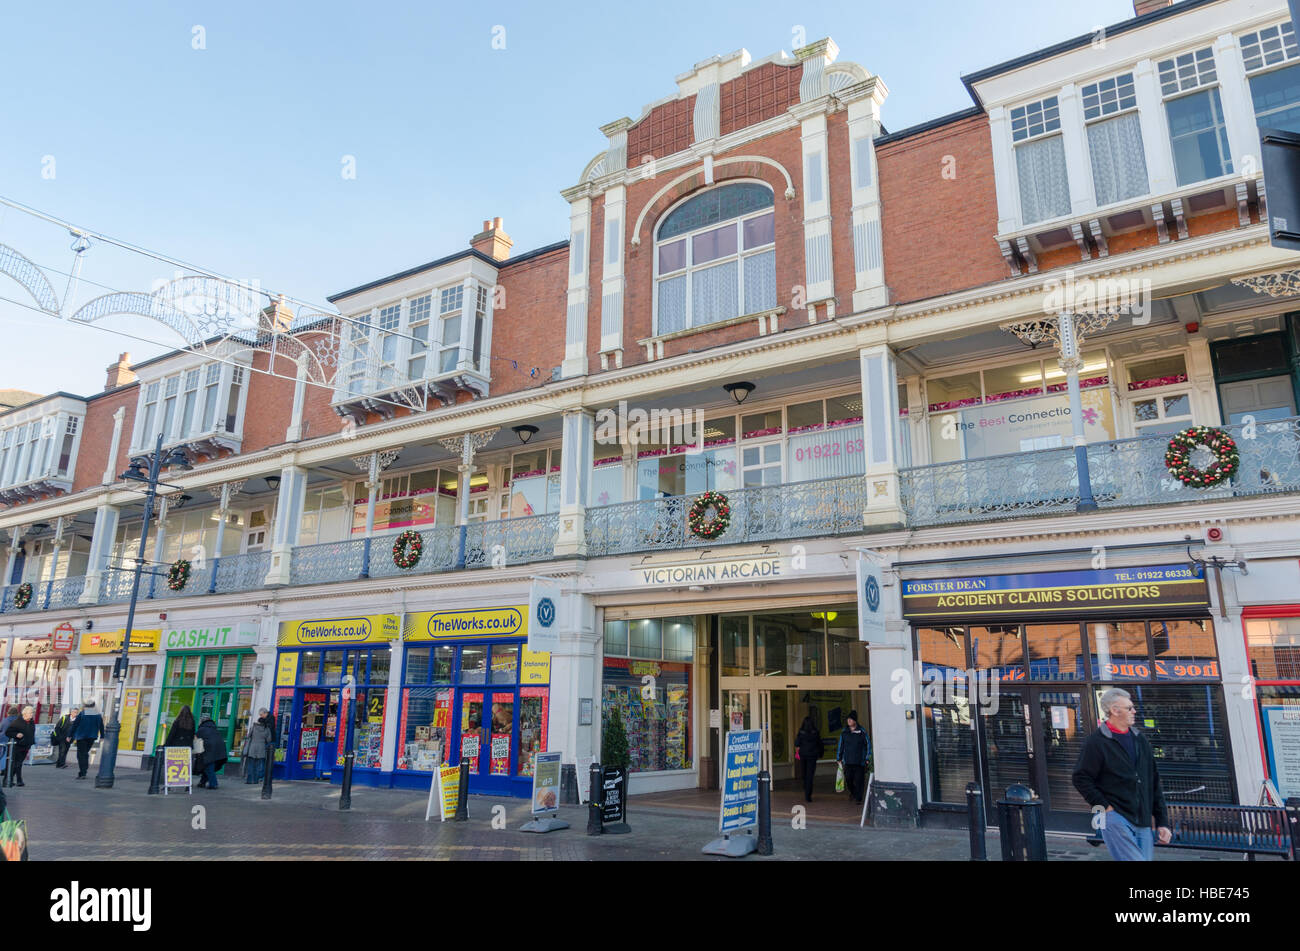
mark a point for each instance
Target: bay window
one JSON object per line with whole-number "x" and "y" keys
{"x": 418, "y": 328}
{"x": 450, "y": 304}
{"x": 190, "y": 405}
{"x": 1198, "y": 133}
{"x": 1275, "y": 92}
{"x": 715, "y": 258}
{"x": 1119, "y": 168}
{"x": 1040, "y": 160}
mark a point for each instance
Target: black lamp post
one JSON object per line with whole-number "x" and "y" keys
{"x": 147, "y": 471}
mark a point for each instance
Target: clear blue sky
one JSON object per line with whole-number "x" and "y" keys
{"x": 230, "y": 156}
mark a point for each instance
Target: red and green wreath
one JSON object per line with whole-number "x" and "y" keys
{"x": 23, "y": 596}
{"x": 699, "y": 520}
{"x": 1222, "y": 447}
{"x": 178, "y": 576}
{"x": 407, "y": 549}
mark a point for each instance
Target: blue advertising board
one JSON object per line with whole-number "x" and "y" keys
{"x": 740, "y": 765}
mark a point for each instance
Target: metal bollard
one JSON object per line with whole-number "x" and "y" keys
{"x": 1020, "y": 817}
{"x": 975, "y": 818}
{"x": 764, "y": 844}
{"x": 270, "y": 764}
{"x": 595, "y": 799}
{"x": 155, "y": 775}
{"x": 462, "y": 795}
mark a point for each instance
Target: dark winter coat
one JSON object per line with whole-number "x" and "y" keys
{"x": 854, "y": 747}
{"x": 809, "y": 744}
{"x": 90, "y": 726}
{"x": 22, "y": 732}
{"x": 177, "y": 736}
{"x": 214, "y": 744}
{"x": 63, "y": 728}
{"x": 1106, "y": 776}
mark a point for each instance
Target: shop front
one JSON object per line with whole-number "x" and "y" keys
{"x": 1026, "y": 658}
{"x": 99, "y": 654}
{"x": 471, "y": 689}
{"x": 38, "y": 671}
{"x": 210, "y": 669}
{"x": 323, "y": 668}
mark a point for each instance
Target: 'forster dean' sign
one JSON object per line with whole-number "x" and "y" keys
{"x": 1060, "y": 593}
{"x": 712, "y": 572}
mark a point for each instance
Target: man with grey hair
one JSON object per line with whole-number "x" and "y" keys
{"x": 1117, "y": 771}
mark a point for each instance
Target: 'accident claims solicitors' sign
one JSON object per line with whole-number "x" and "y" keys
{"x": 1057, "y": 593}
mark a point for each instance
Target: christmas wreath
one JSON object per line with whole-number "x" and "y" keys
{"x": 179, "y": 575}
{"x": 703, "y": 527}
{"x": 1222, "y": 447}
{"x": 23, "y": 596}
{"x": 407, "y": 549}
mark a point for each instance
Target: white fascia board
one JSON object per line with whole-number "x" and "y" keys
{"x": 1192, "y": 30}
{"x": 446, "y": 275}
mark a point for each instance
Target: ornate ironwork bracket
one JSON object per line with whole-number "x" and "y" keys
{"x": 467, "y": 445}
{"x": 1278, "y": 284}
{"x": 225, "y": 492}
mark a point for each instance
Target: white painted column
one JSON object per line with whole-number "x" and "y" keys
{"x": 575, "y": 333}
{"x": 1078, "y": 169}
{"x": 573, "y": 677}
{"x": 1238, "y": 107}
{"x": 1004, "y": 170}
{"x": 864, "y": 101}
{"x": 1155, "y": 131}
{"x": 294, "y": 432}
{"x": 819, "y": 273}
{"x": 469, "y": 307}
{"x": 464, "y": 472}
{"x": 611, "y": 283}
{"x": 392, "y": 704}
{"x": 103, "y": 538}
{"x": 115, "y": 446}
{"x": 578, "y": 435}
{"x": 11, "y": 552}
{"x": 893, "y": 694}
{"x": 288, "y": 520}
{"x": 879, "y": 417}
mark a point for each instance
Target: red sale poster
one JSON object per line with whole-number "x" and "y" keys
{"x": 471, "y": 728}
{"x": 503, "y": 723}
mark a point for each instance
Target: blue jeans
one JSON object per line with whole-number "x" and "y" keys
{"x": 210, "y": 774}
{"x": 253, "y": 769}
{"x": 1126, "y": 842}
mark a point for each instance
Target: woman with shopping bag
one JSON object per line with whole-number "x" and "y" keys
{"x": 852, "y": 755}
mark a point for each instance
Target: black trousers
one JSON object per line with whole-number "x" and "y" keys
{"x": 62, "y": 747}
{"x": 83, "y": 756}
{"x": 809, "y": 767}
{"x": 853, "y": 778}
{"x": 20, "y": 754}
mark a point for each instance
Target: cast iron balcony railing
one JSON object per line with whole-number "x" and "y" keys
{"x": 329, "y": 561}
{"x": 438, "y": 552}
{"x": 232, "y": 573}
{"x": 511, "y": 541}
{"x": 758, "y": 514}
{"x": 1125, "y": 473}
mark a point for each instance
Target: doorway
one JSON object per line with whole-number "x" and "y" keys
{"x": 1033, "y": 736}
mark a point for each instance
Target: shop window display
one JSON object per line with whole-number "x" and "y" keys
{"x": 656, "y": 714}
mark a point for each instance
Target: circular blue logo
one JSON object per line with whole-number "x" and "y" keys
{"x": 545, "y": 612}
{"x": 873, "y": 595}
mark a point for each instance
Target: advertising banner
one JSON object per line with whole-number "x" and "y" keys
{"x": 740, "y": 781}
{"x": 871, "y": 613}
{"x": 42, "y": 750}
{"x": 449, "y": 790}
{"x": 489, "y": 623}
{"x": 1282, "y": 740}
{"x": 1142, "y": 590}
{"x": 181, "y": 638}
{"x": 130, "y": 717}
{"x": 613, "y": 806}
{"x": 365, "y": 629}
{"x": 142, "y": 642}
{"x": 545, "y": 599}
{"x": 546, "y": 783}
{"x": 176, "y": 768}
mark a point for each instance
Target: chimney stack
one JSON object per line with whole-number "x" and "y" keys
{"x": 492, "y": 240}
{"x": 120, "y": 373}
{"x": 278, "y": 317}
{"x": 1143, "y": 7}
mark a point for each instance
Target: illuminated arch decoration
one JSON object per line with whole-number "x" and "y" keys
{"x": 31, "y": 277}
{"x": 196, "y": 308}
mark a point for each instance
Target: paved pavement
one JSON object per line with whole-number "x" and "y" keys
{"x": 72, "y": 820}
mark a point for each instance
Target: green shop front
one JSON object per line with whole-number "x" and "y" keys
{"x": 471, "y": 689}
{"x": 324, "y": 666}
{"x": 209, "y": 668}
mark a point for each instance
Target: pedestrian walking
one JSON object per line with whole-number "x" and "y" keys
{"x": 808, "y": 749}
{"x": 23, "y": 732}
{"x": 89, "y": 728}
{"x": 1117, "y": 775}
{"x": 9, "y": 718}
{"x": 213, "y": 755}
{"x": 853, "y": 753}
{"x": 62, "y": 736}
{"x": 256, "y": 743}
{"x": 181, "y": 732}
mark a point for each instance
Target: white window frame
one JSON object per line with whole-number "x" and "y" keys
{"x": 1051, "y": 127}
{"x": 187, "y": 426}
{"x": 1185, "y": 85}
{"x": 690, "y": 268}
{"x": 1289, "y": 50}
{"x": 451, "y": 306}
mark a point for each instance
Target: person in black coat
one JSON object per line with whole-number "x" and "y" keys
{"x": 181, "y": 732}
{"x": 853, "y": 753}
{"x": 214, "y": 752}
{"x": 62, "y": 736}
{"x": 23, "y": 732}
{"x": 88, "y": 728}
{"x": 808, "y": 748}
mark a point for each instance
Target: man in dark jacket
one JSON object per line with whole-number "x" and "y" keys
{"x": 62, "y": 736}
{"x": 1117, "y": 772}
{"x": 853, "y": 752}
{"x": 23, "y": 732}
{"x": 88, "y": 728}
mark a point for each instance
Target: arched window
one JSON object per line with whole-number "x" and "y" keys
{"x": 715, "y": 258}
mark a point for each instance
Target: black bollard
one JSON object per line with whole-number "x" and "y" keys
{"x": 155, "y": 775}
{"x": 976, "y": 821}
{"x": 594, "y": 802}
{"x": 270, "y": 764}
{"x": 764, "y": 844}
{"x": 345, "y": 793}
{"x": 462, "y": 794}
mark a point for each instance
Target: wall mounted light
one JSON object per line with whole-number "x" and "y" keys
{"x": 739, "y": 391}
{"x": 525, "y": 432}
{"x": 273, "y": 483}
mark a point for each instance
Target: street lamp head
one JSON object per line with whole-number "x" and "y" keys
{"x": 178, "y": 459}
{"x": 739, "y": 391}
{"x": 273, "y": 482}
{"x": 525, "y": 432}
{"x": 137, "y": 470}
{"x": 180, "y": 500}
